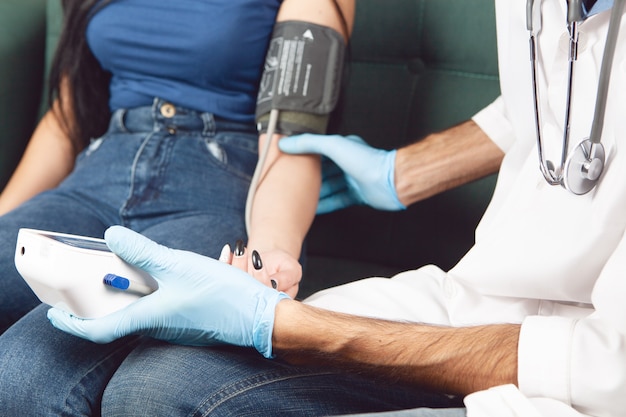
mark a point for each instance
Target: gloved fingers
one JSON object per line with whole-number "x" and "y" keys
{"x": 131, "y": 319}
{"x": 95, "y": 330}
{"x": 335, "y": 202}
{"x": 302, "y": 144}
{"x": 357, "y": 140}
{"x": 338, "y": 148}
{"x": 330, "y": 168}
{"x": 137, "y": 249}
{"x": 331, "y": 172}
{"x": 335, "y": 192}
{"x": 333, "y": 186}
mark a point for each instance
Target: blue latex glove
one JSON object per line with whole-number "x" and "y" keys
{"x": 365, "y": 174}
{"x": 200, "y": 301}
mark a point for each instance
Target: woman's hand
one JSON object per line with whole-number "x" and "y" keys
{"x": 274, "y": 268}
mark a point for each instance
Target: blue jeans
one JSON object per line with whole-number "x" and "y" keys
{"x": 181, "y": 181}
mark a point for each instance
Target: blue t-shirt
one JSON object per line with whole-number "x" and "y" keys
{"x": 202, "y": 54}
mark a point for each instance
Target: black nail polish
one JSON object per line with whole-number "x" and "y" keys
{"x": 256, "y": 260}
{"x": 239, "y": 248}
{"x": 274, "y": 284}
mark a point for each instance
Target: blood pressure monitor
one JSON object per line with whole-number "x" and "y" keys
{"x": 78, "y": 274}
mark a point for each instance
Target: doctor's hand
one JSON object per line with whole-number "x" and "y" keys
{"x": 200, "y": 301}
{"x": 365, "y": 174}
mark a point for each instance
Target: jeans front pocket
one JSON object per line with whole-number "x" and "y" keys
{"x": 234, "y": 152}
{"x": 90, "y": 149}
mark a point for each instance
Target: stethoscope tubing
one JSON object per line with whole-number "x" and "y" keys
{"x": 591, "y": 148}
{"x": 605, "y": 71}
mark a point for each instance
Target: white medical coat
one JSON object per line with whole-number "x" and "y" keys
{"x": 550, "y": 260}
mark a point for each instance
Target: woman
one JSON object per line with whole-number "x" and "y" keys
{"x": 176, "y": 84}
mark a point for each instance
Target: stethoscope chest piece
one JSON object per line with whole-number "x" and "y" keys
{"x": 583, "y": 167}
{"x": 580, "y": 168}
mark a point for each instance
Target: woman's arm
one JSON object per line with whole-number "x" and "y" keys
{"x": 47, "y": 160}
{"x": 286, "y": 199}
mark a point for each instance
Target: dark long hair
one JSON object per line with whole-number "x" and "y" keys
{"x": 84, "y": 110}
{"x": 76, "y": 70}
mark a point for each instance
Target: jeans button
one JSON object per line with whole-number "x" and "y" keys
{"x": 171, "y": 130}
{"x": 168, "y": 110}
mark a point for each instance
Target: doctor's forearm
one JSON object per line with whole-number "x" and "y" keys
{"x": 449, "y": 360}
{"x": 445, "y": 160}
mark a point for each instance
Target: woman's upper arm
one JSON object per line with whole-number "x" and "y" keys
{"x": 321, "y": 12}
{"x": 47, "y": 160}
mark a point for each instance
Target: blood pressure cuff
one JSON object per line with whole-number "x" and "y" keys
{"x": 301, "y": 78}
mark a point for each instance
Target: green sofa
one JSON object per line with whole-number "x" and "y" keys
{"x": 415, "y": 66}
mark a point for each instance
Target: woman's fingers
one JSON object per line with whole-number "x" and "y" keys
{"x": 249, "y": 261}
{"x": 240, "y": 258}
{"x": 275, "y": 269}
{"x": 258, "y": 271}
{"x": 226, "y": 255}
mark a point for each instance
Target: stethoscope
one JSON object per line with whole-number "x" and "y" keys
{"x": 581, "y": 168}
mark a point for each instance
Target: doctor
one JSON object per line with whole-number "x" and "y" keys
{"x": 531, "y": 322}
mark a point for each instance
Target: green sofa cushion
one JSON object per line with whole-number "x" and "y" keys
{"x": 22, "y": 27}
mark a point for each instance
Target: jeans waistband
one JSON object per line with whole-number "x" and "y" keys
{"x": 166, "y": 116}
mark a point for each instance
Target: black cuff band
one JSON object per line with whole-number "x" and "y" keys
{"x": 293, "y": 123}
